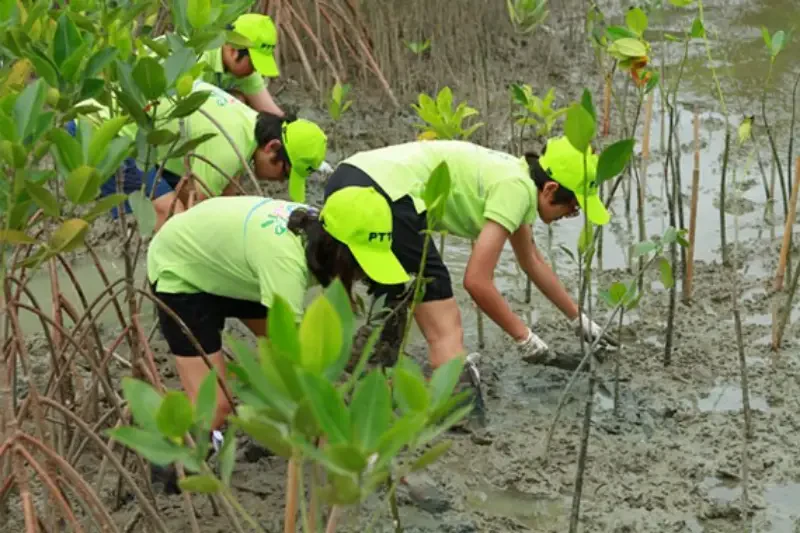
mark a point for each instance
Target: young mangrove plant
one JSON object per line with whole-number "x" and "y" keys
{"x": 338, "y": 105}
{"x": 440, "y": 120}
{"x": 527, "y": 15}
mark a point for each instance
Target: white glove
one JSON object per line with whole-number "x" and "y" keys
{"x": 533, "y": 349}
{"x": 582, "y": 325}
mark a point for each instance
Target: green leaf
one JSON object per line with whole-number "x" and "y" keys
{"x": 150, "y": 78}
{"x": 227, "y": 456}
{"x": 666, "y": 273}
{"x": 103, "y": 205}
{"x": 199, "y": 13}
{"x": 644, "y": 248}
{"x": 347, "y": 457}
{"x": 16, "y": 237}
{"x": 190, "y": 104}
{"x": 431, "y": 456}
{"x": 174, "y": 417}
{"x": 205, "y": 484}
{"x": 116, "y": 153}
{"x": 681, "y": 3}
{"x": 437, "y": 190}
{"x": 152, "y": 446}
{"x": 144, "y": 212}
{"x": 161, "y": 137}
{"x": 627, "y": 48}
{"x": 410, "y": 392}
{"x": 66, "y": 39}
{"x": 83, "y": 184}
{"x": 340, "y": 300}
{"x": 44, "y": 69}
{"x": 206, "y": 403}
{"x": 266, "y": 432}
{"x": 237, "y": 40}
{"x": 370, "y": 410}
{"x": 177, "y": 63}
{"x": 133, "y": 108}
{"x": 328, "y": 408}
{"x": 109, "y": 129}
{"x": 636, "y": 20}
{"x": 767, "y": 38}
{"x": 670, "y": 235}
{"x": 143, "y": 401}
{"x": 579, "y": 127}
{"x": 398, "y": 437}
{"x": 191, "y": 144}
{"x": 585, "y": 238}
{"x": 778, "y": 43}
{"x": 620, "y": 32}
{"x": 28, "y": 106}
{"x": 69, "y": 69}
{"x": 588, "y": 105}
{"x": 444, "y": 380}
{"x": 615, "y": 294}
{"x": 43, "y": 198}
{"x": 99, "y": 61}
{"x": 614, "y": 159}
{"x": 698, "y": 31}
{"x": 284, "y": 337}
{"x": 320, "y": 336}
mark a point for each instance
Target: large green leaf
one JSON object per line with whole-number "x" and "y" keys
{"x": 320, "y": 336}
{"x": 152, "y": 446}
{"x": 190, "y": 104}
{"x": 178, "y": 62}
{"x": 143, "y": 401}
{"x": 199, "y": 13}
{"x": 201, "y": 484}
{"x": 99, "y": 61}
{"x": 266, "y": 432}
{"x": 371, "y": 410}
{"x": 579, "y": 127}
{"x": 191, "y": 144}
{"x": 227, "y": 456}
{"x": 284, "y": 336}
{"x": 83, "y": 184}
{"x": 67, "y": 39}
{"x": 103, "y": 205}
{"x": 43, "y": 198}
{"x": 437, "y": 189}
{"x": 431, "y": 455}
{"x": 144, "y": 212}
{"x": 68, "y": 236}
{"x": 150, "y": 78}
{"x": 103, "y": 136}
{"x": 410, "y": 392}
{"x": 347, "y": 457}
{"x": 614, "y": 159}
{"x": 116, "y": 152}
{"x": 636, "y": 20}
{"x": 401, "y": 434}
{"x": 28, "y": 106}
{"x": 206, "y": 403}
{"x": 174, "y": 417}
{"x": 444, "y": 380}
{"x": 328, "y": 408}
{"x": 340, "y": 300}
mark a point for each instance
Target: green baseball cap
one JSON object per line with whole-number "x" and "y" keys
{"x": 564, "y": 163}
{"x": 261, "y": 31}
{"x": 306, "y": 145}
{"x": 361, "y": 218}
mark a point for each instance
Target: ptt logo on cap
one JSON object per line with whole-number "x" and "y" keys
{"x": 380, "y": 236}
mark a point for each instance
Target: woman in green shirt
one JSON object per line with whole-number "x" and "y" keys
{"x": 229, "y": 256}
{"x": 494, "y": 198}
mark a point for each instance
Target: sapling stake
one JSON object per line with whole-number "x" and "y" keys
{"x": 642, "y": 182}
{"x": 777, "y": 336}
{"x": 290, "y": 511}
{"x": 785, "y": 249}
{"x": 722, "y": 194}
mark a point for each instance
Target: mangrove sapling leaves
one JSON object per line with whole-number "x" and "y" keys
{"x": 667, "y": 279}
{"x": 579, "y": 127}
{"x": 43, "y": 198}
{"x": 69, "y": 236}
{"x": 636, "y": 20}
{"x": 261, "y": 377}
{"x": 28, "y": 107}
{"x": 143, "y": 401}
{"x": 152, "y": 446}
{"x": 644, "y": 248}
{"x": 304, "y": 422}
{"x": 190, "y": 104}
{"x": 150, "y": 78}
{"x": 652, "y": 81}
{"x": 681, "y": 3}
{"x": 698, "y": 31}
{"x": 436, "y": 191}
{"x": 178, "y": 62}
{"x": 614, "y": 159}
{"x": 585, "y": 239}
{"x": 190, "y": 145}
{"x": 161, "y": 137}
{"x": 175, "y": 415}
{"x": 69, "y": 69}
{"x": 347, "y": 457}
{"x": 444, "y": 380}
{"x": 320, "y": 336}
{"x": 143, "y": 211}
{"x": 12, "y": 236}
{"x": 328, "y": 408}
{"x": 569, "y": 253}
{"x": 117, "y": 151}
{"x": 626, "y": 48}
{"x": 98, "y": 62}
{"x": 268, "y": 433}
{"x": 198, "y": 13}
{"x": 519, "y": 95}
{"x": 370, "y": 410}
{"x": 336, "y": 294}
{"x": 615, "y": 294}
{"x": 342, "y": 490}
{"x": 410, "y": 392}
{"x": 284, "y": 338}
{"x": 369, "y": 348}
{"x": 102, "y": 137}
{"x": 201, "y": 484}
{"x": 778, "y": 43}
{"x": 588, "y": 105}
{"x": 455, "y": 415}
{"x": 66, "y": 39}
{"x": 206, "y": 403}
{"x": 620, "y": 32}
{"x": 133, "y": 108}
{"x": 400, "y": 435}
{"x": 431, "y": 455}
{"x": 227, "y": 456}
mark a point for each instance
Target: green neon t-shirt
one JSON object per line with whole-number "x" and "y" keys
{"x": 486, "y": 184}
{"x": 233, "y": 246}
{"x": 252, "y": 84}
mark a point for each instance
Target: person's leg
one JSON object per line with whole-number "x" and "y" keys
{"x": 200, "y": 313}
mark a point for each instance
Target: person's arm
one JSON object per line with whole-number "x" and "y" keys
{"x": 479, "y": 280}
{"x": 263, "y": 101}
{"x": 540, "y": 273}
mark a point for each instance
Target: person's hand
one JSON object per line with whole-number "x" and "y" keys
{"x": 582, "y": 325}
{"x": 533, "y": 349}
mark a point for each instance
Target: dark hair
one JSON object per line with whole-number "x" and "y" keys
{"x": 540, "y": 177}
{"x": 269, "y": 127}
{"x": 241, "y": 53}
{"x": 326, "y": 257}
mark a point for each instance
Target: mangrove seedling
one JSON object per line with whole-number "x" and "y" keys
{"x": 338, "y": 103}
{"x": 419, "y": 48}
{"x": 440, "y": 120}
{"x": 527, "y": 15}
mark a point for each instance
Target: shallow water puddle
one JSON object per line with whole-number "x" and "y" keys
{"x": 534, "y": 511}
{"x": 725, "y": 397}
{"x": 782, "y": 512}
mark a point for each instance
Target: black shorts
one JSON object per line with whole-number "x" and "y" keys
{"x": 204, "y": 314}
{"x": 407, "y": 239}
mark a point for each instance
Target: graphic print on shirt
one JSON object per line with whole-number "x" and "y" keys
{"x": 277, "y": 216}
